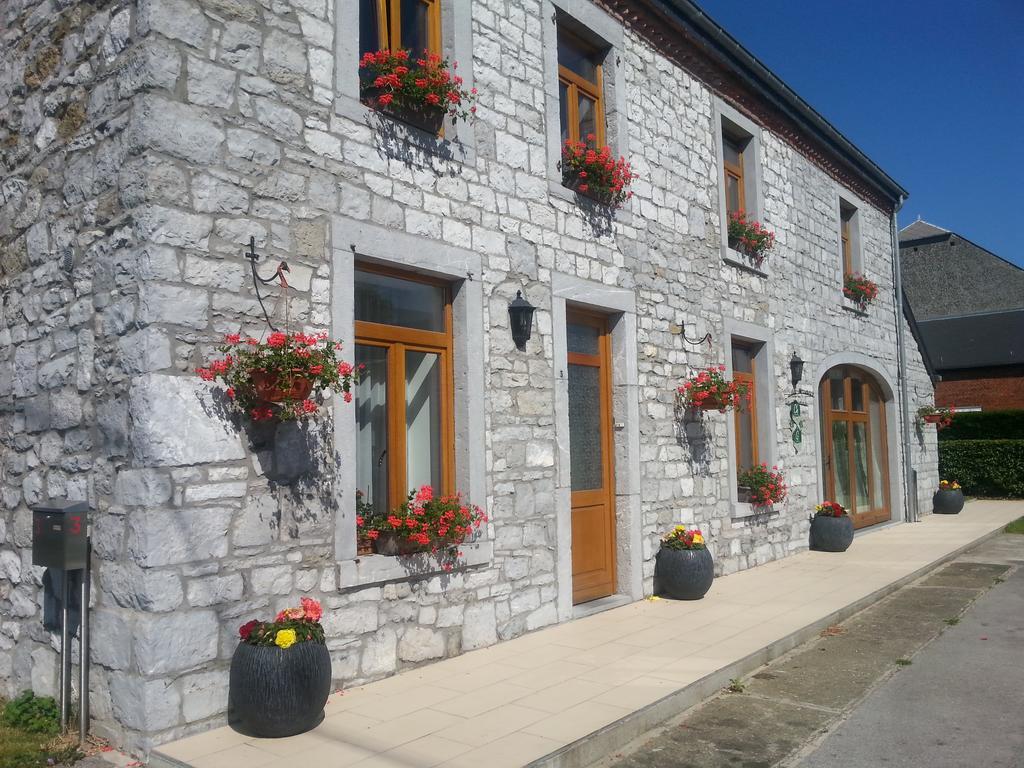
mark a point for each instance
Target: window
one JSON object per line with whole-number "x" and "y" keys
{"x": 744, "y": 370}
{"x": 403, "y": 400}
{"x": 846, "y": 213}
{"x": 581, "y": 109}
{"x": 413, "y": 25}
{"x": 732, "y": 154}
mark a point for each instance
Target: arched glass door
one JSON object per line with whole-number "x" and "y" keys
{"x": 854, "y": 438}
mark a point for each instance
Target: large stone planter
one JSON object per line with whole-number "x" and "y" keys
{"x": 831, "y": 534}
{"x": 277, "y": 692}
{"x": 684, "y": 574}
{"x": 948, "y": 502}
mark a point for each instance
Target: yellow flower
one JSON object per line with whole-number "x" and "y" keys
{"x": 285, "y": 638}
{"x": 698, "y": 539}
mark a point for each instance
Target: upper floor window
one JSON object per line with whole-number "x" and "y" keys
{"x": 732, "y": 160}
{"x": 580, "y": 89}
{"x": 846, "y": 213}
{"x": 404, "y": 404}
{"x": 412, "y": 25}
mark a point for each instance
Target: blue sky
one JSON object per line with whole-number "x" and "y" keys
{"x": 931, "y": 90}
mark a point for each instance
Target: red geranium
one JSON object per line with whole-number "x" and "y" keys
{"x": 858, "y": 288}
{"x": 751, "y": 237}
{"x": 595, "y": 172}
{"x": 709, "y": 389}
{"x": 396, "y": 79}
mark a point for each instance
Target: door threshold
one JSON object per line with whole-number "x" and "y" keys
{"x": 591, "y": 607}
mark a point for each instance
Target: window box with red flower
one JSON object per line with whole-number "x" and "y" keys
{"x": 940, "y": 417}
{"x": 766, "y": 486}
{"x": 594, "y": 172}
{"x": 420, "y": 92}
{"x": 859, "y": 290}
{"x": 276, "y": 378}
{"x": 831, "y": 528}
{"x": 280, "y": 674}
{"x": 750, "y": 238}
{"x": 424, "y": 523}
{"x": 709, "y": 390}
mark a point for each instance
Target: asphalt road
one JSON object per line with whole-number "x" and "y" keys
{"x": 959, "y": 704}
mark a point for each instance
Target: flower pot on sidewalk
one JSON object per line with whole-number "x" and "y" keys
{"x": 831, "y": 534}
{"x": 948, "y": 501}
{"x": 684, "y": 574}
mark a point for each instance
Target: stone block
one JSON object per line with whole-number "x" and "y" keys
{"x": 271, "y": 580}
{"x": 253, "y": 146}
{"x": 141, "y": 488}
{"x": 111, "y": 639}
{"x": 170, "y": 226}
{"x": 174, "y": 642}
{"x": 256, "y": 523}
{"x": 65, "y": 410}
{"x": 420, "y": 644}
{"x": 204, "y": 695}
{"x": 479, "y": 626}
{"x": 215, "y": 590}
{"x": 352, "y": 620}
{"x": 144, "y": 590}
{"x": 176, "y": 19}
{"x": 380, "y": 653}
{"x": 176, "y": 422}
{"x": 212, "y": 491}
{"x": 210, "y": 85}
{"x": 284, "y": 57}
{"x": 213, "y": 195}
{"x": 278, "y": 118}
{"x": 145, "y": 705}
{"x": 178, "y": 129}
{"x": 144, "y": 351}
{"x": 168, "y": 537}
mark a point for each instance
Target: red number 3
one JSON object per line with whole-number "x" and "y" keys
{"x": 76, "y": 525}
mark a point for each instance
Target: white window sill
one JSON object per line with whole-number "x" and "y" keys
{"x": 742, "y": 262}
{"x": 448, "y": 149}
{"x": 851, "y": 306}
{"x": 369, "y": 570}
{"x": 743, "y": 512}
{"x": 559, "y": 190}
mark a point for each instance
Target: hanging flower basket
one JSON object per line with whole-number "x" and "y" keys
{"x": 709, "y": 390}
{"x": 418, "y": 91}
{"x": 277, "y": 378}
{"x": 594, "y": 172}
{"x": 941, "y": 417}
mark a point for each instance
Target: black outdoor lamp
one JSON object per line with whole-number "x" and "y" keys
{"x": 796, "y": 369}
{"x": 520, "y": 316}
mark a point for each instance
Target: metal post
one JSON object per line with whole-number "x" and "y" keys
{"x": 83, "y": 654}
{"x": 65, "y": 652}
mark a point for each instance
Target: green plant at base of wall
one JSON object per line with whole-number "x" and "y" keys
{"x": 993, "y": 468}
{"x": 33, "y": 714}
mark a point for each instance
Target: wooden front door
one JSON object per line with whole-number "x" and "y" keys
{"x": 591, "y": 456}
{"x": 855, "y": 439}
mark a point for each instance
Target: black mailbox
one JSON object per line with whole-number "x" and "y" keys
{"x": 60, "y": 531}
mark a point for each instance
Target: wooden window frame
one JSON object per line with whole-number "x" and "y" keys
{"x": 873, "y": 514}
{"x": 846, "y": 238}
{"x": 397, "y": 340}
{"x": 732, "y": 170}
{"x": 389, "y": 32}
{"x": 576, "y": 84}
{"x": 750, "y": 379}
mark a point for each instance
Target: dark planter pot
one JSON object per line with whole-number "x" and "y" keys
{"x": 948, "y": 502}
{"x": 573, "y": 183}
{"x": 684, "y": 574}
{"x": 269, "y": 387}
{"x": 275, "y": 692}
{"x": 831, "y": 534}
{"x": 426, "y": 117}
{"x": 391, "y": 544}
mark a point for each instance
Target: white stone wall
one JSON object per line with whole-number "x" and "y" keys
{"x": 202, "y": 522}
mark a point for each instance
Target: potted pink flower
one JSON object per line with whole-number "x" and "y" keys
{"x": 594, "y": 172}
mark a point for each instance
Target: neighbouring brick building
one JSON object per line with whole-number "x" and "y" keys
{"x": 145, "y": 141}
{"x": 969, "y": 308}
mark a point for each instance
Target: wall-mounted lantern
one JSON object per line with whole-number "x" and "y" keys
{"x": 520, "y": 316}
{"x": 796, "y": 369}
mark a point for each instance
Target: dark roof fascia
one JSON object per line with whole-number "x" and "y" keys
{"x": 691, "y": 18}
{"x": 929, "y": 240}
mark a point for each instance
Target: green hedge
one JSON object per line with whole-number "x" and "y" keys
{"x": 985, "y": 425}
{"x": 984, "y": 467}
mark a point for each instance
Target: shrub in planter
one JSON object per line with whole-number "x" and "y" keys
{"x": 860, "y": 290}
{"x": 750, "y": 237}
{"x": 276, "y": 378}
{"x": 831, "y": 528}
{"x": 425, "y": 522}
{"x": 709, "y": 390}
{"x": 767, "y": 486}
{"x": 593, "y": 171}
{"x": 948, "y": 499}
{"x": 419, "y": 91}
{"x": 940, "y": 417}
{"x": 684, "y": 568}
{"x": 280, "y": 674}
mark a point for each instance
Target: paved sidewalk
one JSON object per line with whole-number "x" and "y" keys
{"x": 569, "y": 694}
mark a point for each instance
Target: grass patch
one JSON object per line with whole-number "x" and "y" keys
{"x": 1017, "y": 526}
{"x": 736, "y": 686}
{"x": 27, "y": 741}
{"x": 953, "y": 622}
{"x": 903, "y": 662}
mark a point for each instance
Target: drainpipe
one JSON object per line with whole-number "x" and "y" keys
{"x": 909, "y": 488}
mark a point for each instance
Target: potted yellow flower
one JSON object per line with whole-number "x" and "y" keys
{"x": 949, "y": 499}
{"x": 280, "y": 674}
{"x": 684, "y": 568}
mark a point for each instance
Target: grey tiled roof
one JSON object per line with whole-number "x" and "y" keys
{"x": 975, "y": 341}
{"x": 921, "y": 229}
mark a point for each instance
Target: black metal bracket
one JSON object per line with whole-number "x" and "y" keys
{"x": 278, "y": 275}
{"x": 695, "y": 342}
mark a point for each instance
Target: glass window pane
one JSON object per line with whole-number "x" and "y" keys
{"x": 742, "y": 359}
{"x": 745, "y": 439}
{"x": 733, "y": 156}
{"x": 860, "y": 464}
{"x": 837, "y": 391}
{"x": 576, "y": 55}
{"x": 369, "y": 27}
{"x": 585, "y": 453}
{"x": 732, "y": 194}
{"x": 372, "y": 426}
{"x": 563, "y": 109}
{"x": 877, "y": 454}
{"x": 588, "y": 117}
{"x": 423, "y": 419}
{"x": 841, "y": 463}
{"x": 414, "y": 22}
{"x": 582, "y": 338}
{"x": 394, "y": 301}
{"x": 857, "y": 394}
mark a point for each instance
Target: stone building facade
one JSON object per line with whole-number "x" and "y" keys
{"x": 144, "y": 143}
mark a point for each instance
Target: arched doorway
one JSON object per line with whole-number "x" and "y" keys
{"x": 855, "y": 444}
